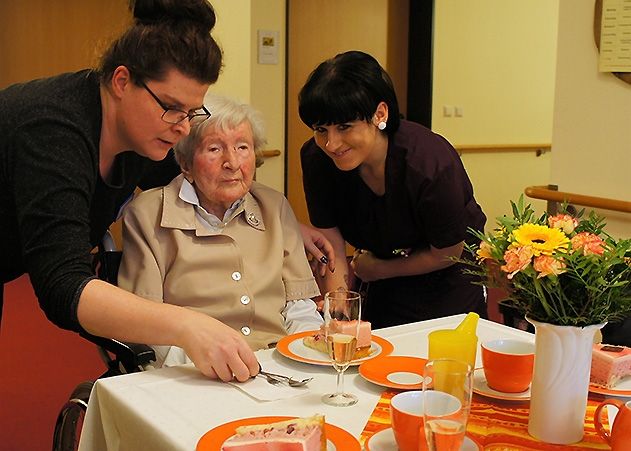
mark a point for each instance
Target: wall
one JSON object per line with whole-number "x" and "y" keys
{"x": 242, "y": 77}
{"x": 591, "y": 135}
{"x": 268, "y": 88}
{"x": 496, "y": 60}
{"x": 232, "y": 32}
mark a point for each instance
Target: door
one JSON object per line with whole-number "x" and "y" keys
{"x": 320, "y": 29}
{"x": 40, "y": 38}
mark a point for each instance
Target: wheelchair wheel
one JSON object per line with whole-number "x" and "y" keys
{"x": 70, "y": 419}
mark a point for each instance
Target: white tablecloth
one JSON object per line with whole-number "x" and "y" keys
{"x": 171, "y": 408}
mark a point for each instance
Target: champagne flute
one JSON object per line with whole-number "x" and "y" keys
{"x": 447, "y": 392}
{"x": 342, "y": 311}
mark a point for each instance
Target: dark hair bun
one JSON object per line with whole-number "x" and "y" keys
{"x": 149, "y": 12}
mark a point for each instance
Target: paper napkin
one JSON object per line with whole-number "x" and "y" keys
{"x": 261, "y": 390}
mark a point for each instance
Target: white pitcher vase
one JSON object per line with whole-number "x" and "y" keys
{"x": 560, "y": 383}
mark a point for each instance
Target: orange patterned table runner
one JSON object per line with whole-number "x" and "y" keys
{"x": 496, "y": 426}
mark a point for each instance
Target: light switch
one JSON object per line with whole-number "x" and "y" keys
{"x": 448, "y": 110}
{"x": 268, "y": 44}
{"x": 459, "y": 111}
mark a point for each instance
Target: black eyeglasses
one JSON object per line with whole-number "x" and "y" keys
{"x": 175, "y": 116}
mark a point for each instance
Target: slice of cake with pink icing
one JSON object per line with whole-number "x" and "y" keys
{"x": 300, "y": 434}
{"x": 610, "y": 365}
{"x": 364, "y": 338}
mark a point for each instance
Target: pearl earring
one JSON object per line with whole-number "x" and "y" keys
{"x": 381, "y": 125}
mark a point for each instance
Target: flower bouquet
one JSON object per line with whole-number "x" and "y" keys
{"x": 568, "y": 277}
{"x": 559, "y": 269}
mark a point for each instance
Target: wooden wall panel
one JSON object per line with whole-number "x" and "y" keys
{"x": 39, "y": 38}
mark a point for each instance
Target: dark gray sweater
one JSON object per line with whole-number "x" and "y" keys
{"x": 54, "y": 206}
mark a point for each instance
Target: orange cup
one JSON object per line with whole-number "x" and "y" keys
{"x": 406, "y": 416}
{"x": 508, "y": 364}
{"x": 620, "y": 436}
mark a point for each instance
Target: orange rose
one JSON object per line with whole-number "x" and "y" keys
{"x": 564, "y": 222}
{"x": 546, "y": 265}
{"x": 588, "y": 243}
{"x": 517, "y": 258}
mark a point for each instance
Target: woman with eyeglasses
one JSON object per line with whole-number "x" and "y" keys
{"x": 72, "y": 150}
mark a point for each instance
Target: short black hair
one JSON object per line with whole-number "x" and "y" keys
{"x": 347, "y": 88}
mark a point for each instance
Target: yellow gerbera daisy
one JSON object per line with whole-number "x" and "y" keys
{"x": 542, "y": 239}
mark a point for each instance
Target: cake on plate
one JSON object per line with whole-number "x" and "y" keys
{"x": 364, "y": 339}
{"x": 299, "y": 434}
{"x": 610, "y": 364}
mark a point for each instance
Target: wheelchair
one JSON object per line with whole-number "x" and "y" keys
{"x": 119, "y": 358}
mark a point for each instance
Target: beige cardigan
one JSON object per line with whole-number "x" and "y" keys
{"x": 242, "y": 276}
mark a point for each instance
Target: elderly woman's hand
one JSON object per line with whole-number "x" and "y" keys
{"x": 216, "y": 349}
{"x": 319, "y": 248}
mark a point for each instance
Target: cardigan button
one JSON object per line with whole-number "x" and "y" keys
{"x": 245, "y": 300}
{"x": 245, "y": 330}
{"x": 236, "y": 276}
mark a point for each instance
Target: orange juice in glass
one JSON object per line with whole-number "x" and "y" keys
{"x": 445, "y": 434}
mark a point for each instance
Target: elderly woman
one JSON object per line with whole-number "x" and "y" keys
{"x": 216, "y": 241}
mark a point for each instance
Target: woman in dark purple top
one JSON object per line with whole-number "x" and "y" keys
{"x": 393, "y": 189}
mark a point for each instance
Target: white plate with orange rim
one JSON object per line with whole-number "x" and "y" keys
{"x": 293, "y": 348}
{"x": 481, "y": 388}
{"x": 384, "y": 441}
{"x": 337, "y": 438}
{"x": 394, "y": 371}
{"x": 621, "y": 390}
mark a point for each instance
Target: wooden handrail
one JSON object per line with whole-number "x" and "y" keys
{"x": 270, "y": 153}
{"x": 545, "y": 193}
{"x": 477, "y": 148}
{"x": 483, "y": 148}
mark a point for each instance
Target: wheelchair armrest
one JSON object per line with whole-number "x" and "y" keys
{"x": 132, "y": 356}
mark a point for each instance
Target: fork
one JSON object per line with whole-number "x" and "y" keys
{"x": 274, "y": 379}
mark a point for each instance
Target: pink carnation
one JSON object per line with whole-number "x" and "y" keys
{"x": 588, "y": 243}
{"x": 516, "y": 258}
{"x": 564, "y": 222}
{"x": 546, "y": 265}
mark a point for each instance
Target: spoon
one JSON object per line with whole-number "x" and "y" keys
{"x": 274, "y": 379}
